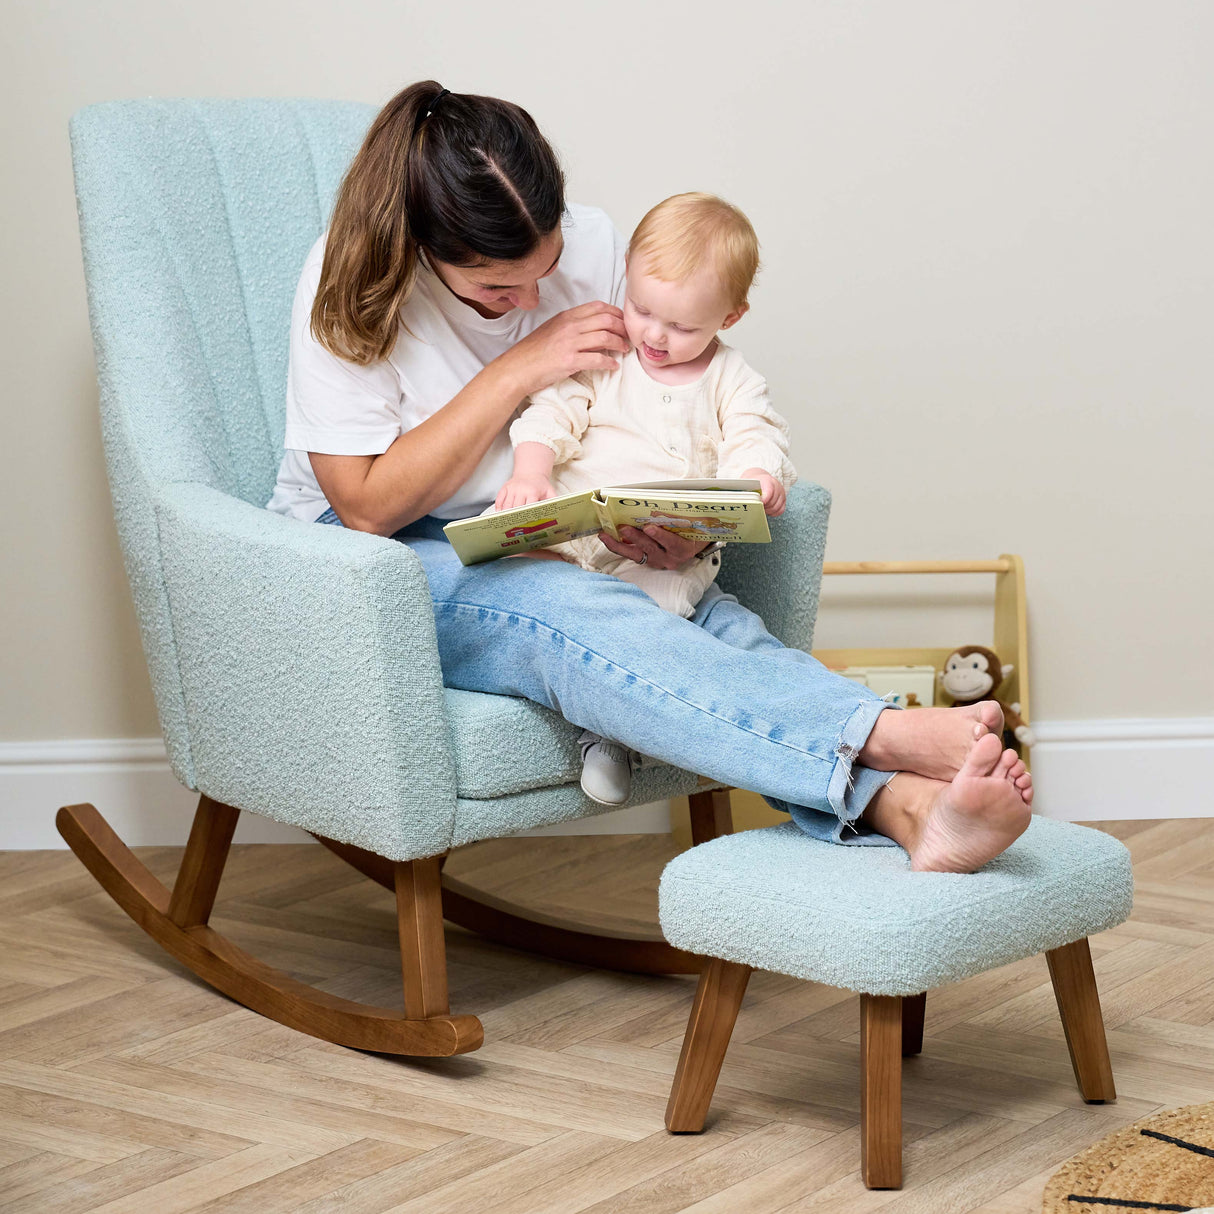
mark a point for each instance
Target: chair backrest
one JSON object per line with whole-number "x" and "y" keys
{"x": 195, "y": 219}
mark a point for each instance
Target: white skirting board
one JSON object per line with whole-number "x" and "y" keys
{"x": 1088, "y": 771}
{"x": 1084, "y": 771}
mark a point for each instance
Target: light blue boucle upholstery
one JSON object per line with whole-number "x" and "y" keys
{"x": 772, "y": 579}
{"x": 195, "y": 219}
{"x": 857, "y": 917}
{"x": 295, "y": 666}
{"x": 537, "y": 748}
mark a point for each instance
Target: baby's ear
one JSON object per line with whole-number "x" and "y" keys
{"x": 735, "y": 316}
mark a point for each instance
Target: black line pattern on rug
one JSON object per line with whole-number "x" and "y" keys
{"x": 1178, "y": 1142}
{"x": 1127, "y": 1203}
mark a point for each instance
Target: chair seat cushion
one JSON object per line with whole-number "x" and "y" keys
{"x": 517, "y": 767}
{"x": 857, "y": 917}
{"x": 505, "y": 745}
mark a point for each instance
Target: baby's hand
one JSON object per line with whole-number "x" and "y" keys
{"x": 522, "y": 491}
{"x": 772, "y": 491}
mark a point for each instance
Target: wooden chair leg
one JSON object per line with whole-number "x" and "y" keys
{"x": 881, "y": 1091}
{"x": 206, "y": 853}
{"x": 423, "y": 950}
{"x": 718, "y": 998}
{"x": 913, "y": 1009}
{"x": 1079, "y": 1007}
{"x": 711, "y": 816}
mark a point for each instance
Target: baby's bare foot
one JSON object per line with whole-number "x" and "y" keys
{"x": 933, "y": 742}
{"x": 975, "y": 817}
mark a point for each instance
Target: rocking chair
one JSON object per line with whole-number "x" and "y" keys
{"x": 295, "y": 666}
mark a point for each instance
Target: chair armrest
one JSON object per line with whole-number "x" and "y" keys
{"x": 780, "y": 581}
{"x": 310, "y": 671}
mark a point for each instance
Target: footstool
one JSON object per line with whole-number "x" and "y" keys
{"x": 857, "y": 917}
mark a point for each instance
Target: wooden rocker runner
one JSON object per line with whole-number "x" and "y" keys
{"x": 178, "y": 921}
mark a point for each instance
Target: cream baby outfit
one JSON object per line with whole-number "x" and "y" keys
{"x": 612, "y": 427}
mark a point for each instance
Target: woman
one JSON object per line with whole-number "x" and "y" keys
{"x": 453, "y": 282}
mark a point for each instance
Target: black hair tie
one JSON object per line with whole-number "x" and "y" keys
{"x": 434, "y": 104}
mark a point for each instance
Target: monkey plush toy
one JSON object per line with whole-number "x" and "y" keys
{"x": 974, "y": 672}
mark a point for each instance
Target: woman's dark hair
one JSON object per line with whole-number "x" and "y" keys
{"x": 470, "y": 179}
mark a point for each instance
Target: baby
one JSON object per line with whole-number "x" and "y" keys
{"x": 680, "y": 404}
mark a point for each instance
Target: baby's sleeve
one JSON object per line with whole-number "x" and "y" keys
{"x": 557, "y": 417}
{"x": 754, "y": 435}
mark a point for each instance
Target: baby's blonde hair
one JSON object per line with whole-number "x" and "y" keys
{"x": 688, "y": 231}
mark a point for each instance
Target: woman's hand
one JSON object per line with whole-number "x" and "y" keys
{"x": 772, "y": 492}
{"x": 522, "y": 491}
{"x": 655, "y": 546}
{"x": 579, "y": 339}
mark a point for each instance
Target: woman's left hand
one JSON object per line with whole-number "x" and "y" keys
{"x": 655, "y": 546}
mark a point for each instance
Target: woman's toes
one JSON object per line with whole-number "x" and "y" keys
{"x": 991, "y": 715}
{"x": 983, "y": 758}
{"x": 1025, "y": 784}
{"x": 1007, "y": 762}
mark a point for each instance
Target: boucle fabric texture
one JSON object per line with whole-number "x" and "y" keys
{"x": 857, "y": 917}
{"x": 295, "y": 666}
{"x": 781, "y": 580}
{"x": 482, "y": 819}
{"x": 195, "y": 217}
{"x": 309, "y": 672}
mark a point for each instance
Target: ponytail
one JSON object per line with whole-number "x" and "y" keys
{"x": 469, "y": 178}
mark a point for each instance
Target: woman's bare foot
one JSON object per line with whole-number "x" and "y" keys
{"x": 933, "y": 742}
{"x": 955, "y": 827}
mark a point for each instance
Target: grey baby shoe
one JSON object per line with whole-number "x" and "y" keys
{"x": 606, "y": 769}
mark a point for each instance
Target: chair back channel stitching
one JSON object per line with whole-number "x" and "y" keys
{"x": 195, "y": 218}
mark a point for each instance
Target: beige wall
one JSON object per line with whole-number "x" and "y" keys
{"x": 986, "y": 307}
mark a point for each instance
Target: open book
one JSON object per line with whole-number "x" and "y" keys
{"x": 709, "y": 510}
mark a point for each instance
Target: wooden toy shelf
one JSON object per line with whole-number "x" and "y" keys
{"x": 1010, "y": 642}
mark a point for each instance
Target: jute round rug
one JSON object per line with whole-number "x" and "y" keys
{"x": 1163, "y": 1162}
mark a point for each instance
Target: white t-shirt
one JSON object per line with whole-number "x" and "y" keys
{"x": 336, "y": 407}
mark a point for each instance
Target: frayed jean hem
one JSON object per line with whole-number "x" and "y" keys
{"x": 850, "y": 790}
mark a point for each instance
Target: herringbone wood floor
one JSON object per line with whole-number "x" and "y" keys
{"x": 128, "y": 1086}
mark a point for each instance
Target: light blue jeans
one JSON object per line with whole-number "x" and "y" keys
{"x": 716, "y": 694}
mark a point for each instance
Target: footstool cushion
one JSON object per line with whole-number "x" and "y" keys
{"x": 857, "y": 917}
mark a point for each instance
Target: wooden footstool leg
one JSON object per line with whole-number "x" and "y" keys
{"x": 913, "y": 1009}
{"x": 881, "y": 1091}
{"x": 1079, "y": 1006}
{"x": 718, "y": 997}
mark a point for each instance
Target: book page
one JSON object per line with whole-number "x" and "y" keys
{"x": 524, "y": 528}
{"x": 731, "y": 517}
